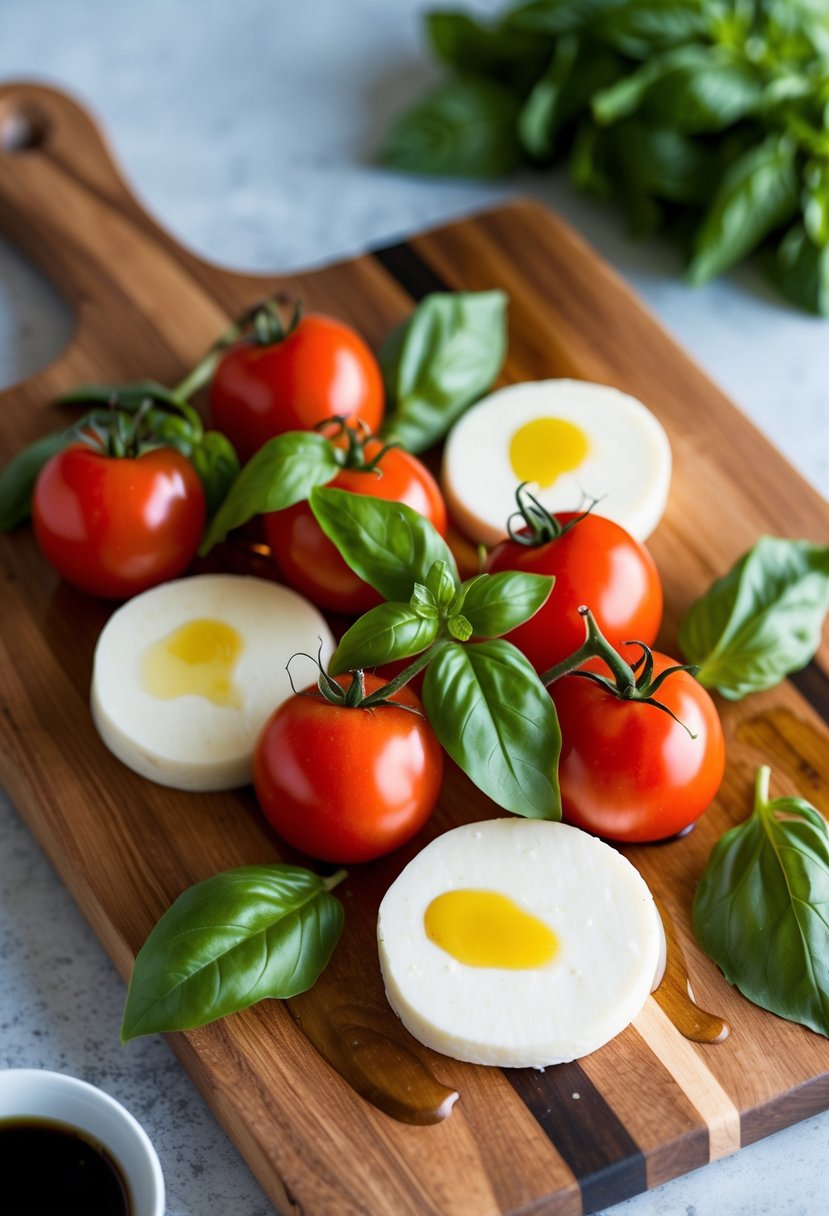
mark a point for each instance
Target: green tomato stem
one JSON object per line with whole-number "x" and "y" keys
{"x": 408, "y": 673}
{"x": 595, "y": 646}
{"x": 761, "y": 788}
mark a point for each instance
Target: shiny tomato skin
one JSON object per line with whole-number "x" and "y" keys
{"x": 308, "y": 560}
{"x": 347, "y": 785}
{"x": 628, "y": 771}
{"x": 321, "y": 368}
{"x": 115, "y": 526}
{"x": 597, "y": 563}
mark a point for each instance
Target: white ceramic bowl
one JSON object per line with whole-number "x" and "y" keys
{"x": 35, "y": 1093}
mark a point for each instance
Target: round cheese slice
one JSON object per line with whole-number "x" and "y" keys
{"x": 572, "y": 442}
{"x": 518, "y": 943}
{"x": 185, "y": 675}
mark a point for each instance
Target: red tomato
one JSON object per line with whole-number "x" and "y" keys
{"x": 595, "y": 562}
{"x": 347, "y": 784}
{"x": 628, "y": 771}
{"x": 320, "y": 368}
{"x": 115, "y": 526}
{"x": 307, "y": 558}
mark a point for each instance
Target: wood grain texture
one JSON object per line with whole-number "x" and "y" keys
{"x": 648, "y": 1106}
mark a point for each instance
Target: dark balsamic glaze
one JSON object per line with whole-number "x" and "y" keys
{"x": 48, "y": 1168}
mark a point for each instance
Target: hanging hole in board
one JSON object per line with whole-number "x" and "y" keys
{"x": 21, "y": 130}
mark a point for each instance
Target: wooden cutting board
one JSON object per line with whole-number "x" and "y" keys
{"x": 648, "y": 1106}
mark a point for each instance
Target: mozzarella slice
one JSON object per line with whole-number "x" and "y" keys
{"x": 556, "y": 947}
{"x": 185, "y": 675}
{"x": 571, "y": 441}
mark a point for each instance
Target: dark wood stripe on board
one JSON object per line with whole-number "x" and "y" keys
{"x": 409, "y": 270}
{"x": 587, "y": 1133}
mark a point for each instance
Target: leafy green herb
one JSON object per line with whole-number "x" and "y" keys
{"x": 388, "y": 544}
{"x": 18, "y": 477}
{"x": 760, "y": 621}
{"x": 730, "y": 147}
{"x": 281, "y": 473}
{"x": 484, "y": 700}
{"x": 760, "y": 909}
{"x": 240, "y": 936}
{"x": 498, "y": 723}
{"x": 446, "y": 356}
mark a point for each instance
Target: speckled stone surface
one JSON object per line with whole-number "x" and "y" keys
{"x": 248, "y": 129}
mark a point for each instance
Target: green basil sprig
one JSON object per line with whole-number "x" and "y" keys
{"x": 760, "y": 908}
{"x": 483, "y": 699}
{"x": 706, "y": 120}
{"x": 762, "y": 620}
{"x": 447, "y": 355}
{"x": 230, "y": 941}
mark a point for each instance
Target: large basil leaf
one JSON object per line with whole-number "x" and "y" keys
{"x": 18, "y": 477}
{"x": 245, "y": 934}
{"x": 388, "y": 544}
{"x": 497, "y": 721}
{"x": 382, "y": 635}
{"x": 760, "y": 911}
{"x": 281, "y": 473}
{"x": 761, "y": 620}
{"x": 464, "y": 128}
{"x": 496, "y": 603}
{"x": 758, "y": 193}
{"x": 447, "y": 355}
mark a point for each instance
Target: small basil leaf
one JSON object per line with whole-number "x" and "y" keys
{"x": 281, "y": 473}
{"x": 758, "y": 193}
{"x": 382, "y": 635}
{"x": 423, "y": 602}
{"x": 214, "y": 459}
{"x": 459, "y": 627}
{"x": 442, "y": 583}
{"x": 17, "y": 479}
{"x": 760, "y": 908}
{"x": 129, "y": 397}
{"x": 545, "y": 111}
{"x": 390, "y": 546}
{"x": 640, "y": 28}
{"x": 497, "y": 721}
{"x": 464, "y": 128}
{"x": 557, "y": 16}
{"x": 761, "y": 620}
{"x": 498, "y": 51}
{"x": 800, "y": 271}
{"x": 496, "y": 603}
{"x": 447, "y": 355}
{"x": 240, "y": 936}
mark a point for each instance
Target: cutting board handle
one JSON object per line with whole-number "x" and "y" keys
{"x": 64, "y": 202}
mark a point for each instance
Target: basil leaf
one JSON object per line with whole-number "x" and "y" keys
{"x": 17, "y": 479}
{"x": 387, "y": 544}
{"x": 758, "y": 194}
{"x": 558, "y": 16}
{"x": 761, "y": 620}
{"x": 497, "y": 721}
{"x": 760, "y": 908}
{"x": 129, "y": 397}
{"x": 512, "y": 56}
{"x": 281, "y": 473}
{"x": 240, "y": 936}
{"x": 447, "y": 355}
{"x": 464, "y": 128}
{"x": 801, "y": 271}
{"x": 640, "y": 28}
{"x": 214, "y": 459}
{"x": 382, "y": 635}
{"x": 496, "y": 603}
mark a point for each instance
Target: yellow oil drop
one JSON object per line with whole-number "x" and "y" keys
{"x": 541, "y": 450}
{"x": 197, "y": 659}
{"x": 487, "y": 929}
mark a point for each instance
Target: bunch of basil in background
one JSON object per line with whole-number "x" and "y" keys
{"x": 705, "y": 119}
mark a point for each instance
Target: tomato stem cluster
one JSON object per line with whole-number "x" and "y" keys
{"x": 626, "y": 681}
{"x": 538, "y": 526}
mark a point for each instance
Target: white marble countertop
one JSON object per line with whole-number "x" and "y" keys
{"x": 238, "y": 125}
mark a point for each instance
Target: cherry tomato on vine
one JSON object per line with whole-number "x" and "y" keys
{"x": 595, "y": 562}
{"x": 307, "y": 558}
{"x": 346, "y": 783}
{"x": 629, "y": 771}
{"x": 293, "y": 380}
{"x": 114, "y": 526}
